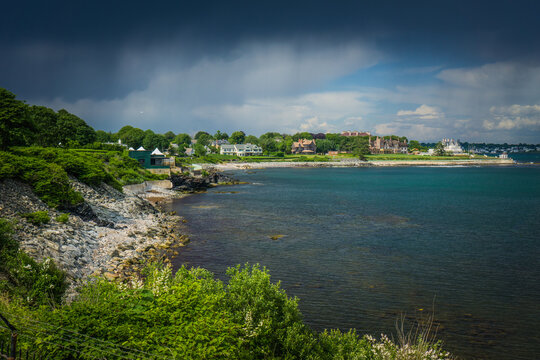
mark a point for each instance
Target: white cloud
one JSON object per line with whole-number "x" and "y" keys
{"x": 315, "y": 125}
{"x": 327, "y": 111}
{"x": 423, "y": 112}
{"x": 514, "y": 117}
{"x": 465, "y": 97}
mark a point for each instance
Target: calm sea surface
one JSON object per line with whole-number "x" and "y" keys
{"x": 363, "y": 245}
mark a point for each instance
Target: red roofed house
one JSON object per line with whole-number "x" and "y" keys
{"x": 304, "y": 146}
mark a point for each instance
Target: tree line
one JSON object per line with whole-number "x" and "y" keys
{"x": 26, "y": 125}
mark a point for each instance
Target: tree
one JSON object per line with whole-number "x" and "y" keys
{"x": 103, "y": 136}
{"x": 16, "y": 125}
{"x": 271, "y": 135}
{"x": 414, "y": 145}
{"x": 169, "y": 135}
{"x": 360, "y": 147}
{"x": 72, "y": 128}
{"x": 124, "y": 130}
{"x": 324, "y": 145}
{"x": 302, "y": 135}
{"x": 237, "y": 137}
{"x": 198, "y": 134}
{"x": 131, "y": 136}
{"x": 439, "y": 149}
{"x": 268, "y": 145}
{"x": 288, "y": 141}
{"x": 45, "y": 120}
{"x": 182, "y": 139}
{"x": 251, "y": 139}
{"x": 152, "y": 141}
{"x": 319, "y": 136}
{"x": 204, "y": 139}
{"x": 221, "y": 136}
{"x": 200, "y": 150}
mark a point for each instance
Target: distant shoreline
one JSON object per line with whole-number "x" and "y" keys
{"x": 359, "y": 163}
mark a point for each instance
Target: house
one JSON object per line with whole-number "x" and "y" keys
{"x": 152, "y": 160}
{"x": 304, "y": 146}
{"x": 190, "y": 151}
{"x": 355, "y": 133}
{"x": 379, "y": 145}
{"x": 218, "y": 143}
{"x": 452, "y": 146}
{"x": 240, "y": 149}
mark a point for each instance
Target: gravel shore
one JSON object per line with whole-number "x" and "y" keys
{"x": 358, "y": 163}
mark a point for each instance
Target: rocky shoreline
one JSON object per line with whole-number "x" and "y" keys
{"x": 124, "y": 232}
{"x": 111, "y": 233}
{"x": 358, "y": 163}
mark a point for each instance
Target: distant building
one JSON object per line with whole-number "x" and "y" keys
{"x": 304, "y": 146}
{"x": 240, "y": 149}
{"x": 504, "y": 155}
{"x": 355, "y": 133}
{"x": 452, "y": 146}
{"x": 190, "y": 151}
{"x": 218, "y": 143}
{"x": 379, "y": 145}
{"x": 151, "y": 159}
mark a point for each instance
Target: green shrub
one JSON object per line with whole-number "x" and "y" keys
{"x": 62, "y": 218}
{"x": 190, "y": 315}
{"x": 271, "y": 322}
{"x": 37, "y": 218}
{"x": 32, "y": 282}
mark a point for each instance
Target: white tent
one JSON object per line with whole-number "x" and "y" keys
{"x": 141, "y": 149}
{"x": 131, "y": 149}
{"x": 156, "y": 152}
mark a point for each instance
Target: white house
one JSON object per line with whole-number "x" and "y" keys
{"x": 240, "y": 150}
{"x": 452, "y": 146}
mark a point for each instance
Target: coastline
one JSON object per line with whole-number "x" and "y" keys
{"x": 357, "y": 163}
{"x": 128, "y": 229}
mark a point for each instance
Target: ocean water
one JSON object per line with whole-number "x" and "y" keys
{"x": 362, "y": 246}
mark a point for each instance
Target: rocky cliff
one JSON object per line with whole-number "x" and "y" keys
{"x": 107, "y": 234}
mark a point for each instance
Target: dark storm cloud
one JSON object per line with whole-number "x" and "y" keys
{"x": 183, "y": 65}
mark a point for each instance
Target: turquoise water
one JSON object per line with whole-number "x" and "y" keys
{"x": 525, "y": 157}
{"x": 363, "y": 246}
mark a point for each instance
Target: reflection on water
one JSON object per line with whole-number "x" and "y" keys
{"x": 360, "y": 247}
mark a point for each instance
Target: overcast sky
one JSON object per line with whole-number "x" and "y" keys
{"x": 423, "y": 69}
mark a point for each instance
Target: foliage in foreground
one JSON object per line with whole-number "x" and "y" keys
{"x": 191, "y": 315}
{"x": 34, "y": 283}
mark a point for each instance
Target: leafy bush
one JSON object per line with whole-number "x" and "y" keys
{"x": 271, "y": 322}
{"x": 190, "y": 315}
{"x": 49, "y": 181}
{"x": 62, "y": 218}
{"x": 37, "y": 218}
{"x": 32, "y": 282}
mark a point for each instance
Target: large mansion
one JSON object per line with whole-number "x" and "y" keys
{"x": 379, "y": 145}
{"x": 304, "y": 146}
